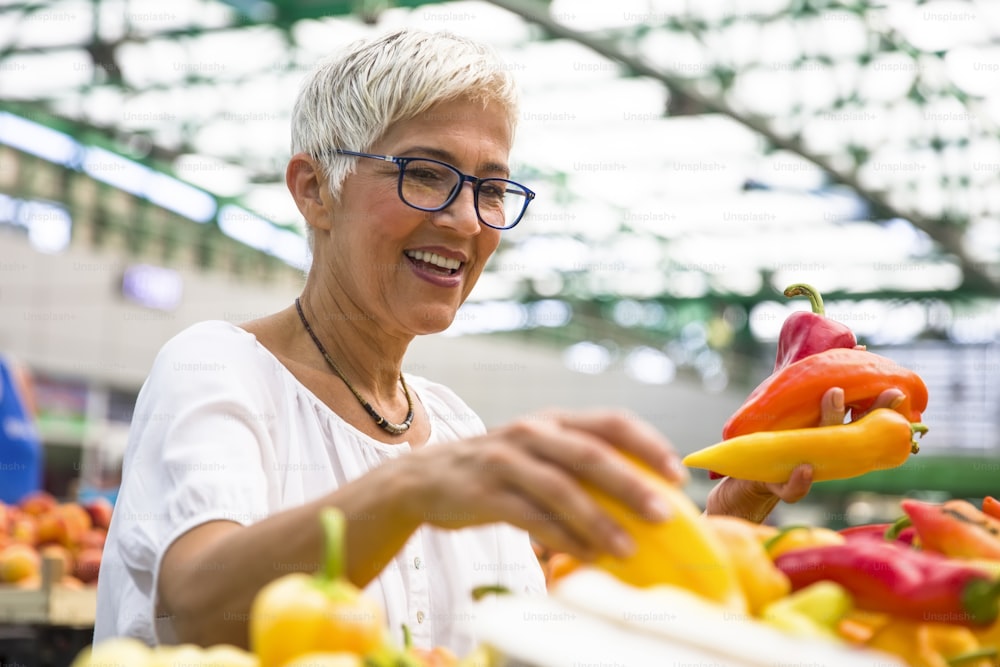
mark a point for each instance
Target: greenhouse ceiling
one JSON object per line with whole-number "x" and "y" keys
{"x": 717, "y": 149}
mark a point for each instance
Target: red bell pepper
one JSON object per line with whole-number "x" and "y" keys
{"x": 806, "y": 333}
{"x": 899, "y": 531}
{"x": 892, "y": 578}
{"x": 955, "y": 528}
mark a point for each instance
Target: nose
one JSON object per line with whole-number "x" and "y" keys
{"x": 460, "y": 214}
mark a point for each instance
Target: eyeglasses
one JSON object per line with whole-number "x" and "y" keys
{"x": 432, "y": 185}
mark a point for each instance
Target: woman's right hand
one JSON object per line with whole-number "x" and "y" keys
{"x": 529, "y": 474}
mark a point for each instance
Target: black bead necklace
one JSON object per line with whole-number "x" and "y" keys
{"x": 386, "y": 425}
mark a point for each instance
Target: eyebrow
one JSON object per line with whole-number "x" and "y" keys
{"x": 445, "y": 156}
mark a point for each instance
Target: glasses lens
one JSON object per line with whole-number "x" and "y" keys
{"x": 427, "y": 184}
{"x": 501, "y": 202}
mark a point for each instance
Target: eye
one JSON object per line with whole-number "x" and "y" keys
{"x": 492, "y": 191}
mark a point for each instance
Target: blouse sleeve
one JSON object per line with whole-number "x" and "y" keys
{"x": 199, "y": 450}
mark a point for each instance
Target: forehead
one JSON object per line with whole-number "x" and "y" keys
{"x": 452, "y": 125}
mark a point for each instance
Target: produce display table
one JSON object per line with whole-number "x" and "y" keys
{"x": 45, "y": 626}
{"x": 592, "y": 619}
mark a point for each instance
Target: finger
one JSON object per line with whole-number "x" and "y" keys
{"x": 594, "y": 460}
{"x": 890, "y": 398}
{"x": 561, "y": 501}
{"x": 632, "y": 435}
{"x": 832, "y": 410}
{"x": 797, "y": 487}
{"x": 545, "y": 526}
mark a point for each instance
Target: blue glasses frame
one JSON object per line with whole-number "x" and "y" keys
{"x": 476, "y": 182}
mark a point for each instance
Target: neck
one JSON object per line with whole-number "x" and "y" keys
{"x": 369, "y": 358}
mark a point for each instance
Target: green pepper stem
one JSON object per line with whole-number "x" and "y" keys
{"x": 980, "y": 599}
{"x": 988, "y": 652}
{"x": 479, "y": 592}
{"x": 333, "y": 544}
{"x": 917, "y": 429}
{"x": 893, "y": 531}
{"x": 802, "y": 289}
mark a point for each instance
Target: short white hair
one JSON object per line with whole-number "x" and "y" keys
{"x": 351, "y": 99}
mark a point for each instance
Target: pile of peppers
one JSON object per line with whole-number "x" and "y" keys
{"x": 777, "y": 427}
{"x": 925, "y": 587}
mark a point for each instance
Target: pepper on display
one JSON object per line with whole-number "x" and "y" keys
{"x": 892, "y": 578}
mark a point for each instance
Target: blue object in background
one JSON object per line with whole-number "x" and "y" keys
{"x": 20, "y": 447}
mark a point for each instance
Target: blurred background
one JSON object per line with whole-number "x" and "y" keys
{"x": 691, "y": 160}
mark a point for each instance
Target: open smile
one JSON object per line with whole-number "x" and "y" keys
{"x": 434, "y": 263}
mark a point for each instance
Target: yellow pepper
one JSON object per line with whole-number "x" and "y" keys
{"x": 762, "y": 581}
{"x": 300, "y": 613}
{"x": 814, "y": 611}
{"x": 931, "y": 644}
{"x": 682, "y": 551}
{"x": 881, "y": 439}
{"x": 790, "y": 538}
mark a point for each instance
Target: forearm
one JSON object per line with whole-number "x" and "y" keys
{"x": 209, "y": 592}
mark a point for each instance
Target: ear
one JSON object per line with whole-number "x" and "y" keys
{"x": 307, "y": 183}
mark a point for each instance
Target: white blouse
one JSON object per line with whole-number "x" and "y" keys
{"x": 222, "y": 430}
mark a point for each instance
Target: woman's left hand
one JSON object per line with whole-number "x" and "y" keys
{"x": 755, "y": 500}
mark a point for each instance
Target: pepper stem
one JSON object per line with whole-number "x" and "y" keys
{"x": 333, "y": 544}
{"x": 479, "y": 592}
{"x": 980, "y": 600}
{"x": 989, "y": 652}
{"x": 893, "y": 531}
{"x": 802, "y": 289}
{"x": 917, "y": 429}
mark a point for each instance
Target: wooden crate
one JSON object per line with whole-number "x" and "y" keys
{"x": 51, "y": 604}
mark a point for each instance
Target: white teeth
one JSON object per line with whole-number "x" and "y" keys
{"x": 432, "y": 258}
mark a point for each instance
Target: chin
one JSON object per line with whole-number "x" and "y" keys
{"x": 435, "y": 320}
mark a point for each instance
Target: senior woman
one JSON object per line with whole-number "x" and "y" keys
{"x": 242, "y": 434}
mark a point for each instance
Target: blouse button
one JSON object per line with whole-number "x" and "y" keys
{"x": 420, "y": 617}
{"x": 417, "y": 563}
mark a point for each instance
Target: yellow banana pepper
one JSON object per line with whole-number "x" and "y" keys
{"x": 321, "y": 613}
{"x": 880, "y": 440}
{"x": 682, "y": 550}
{"x": 761, "y": 580}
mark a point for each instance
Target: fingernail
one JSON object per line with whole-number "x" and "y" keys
{"x": 622, "y": 545}
{"x": 838, "y": 400}
{"x": 896, "y": 402}
{"x": 656, "y": 509}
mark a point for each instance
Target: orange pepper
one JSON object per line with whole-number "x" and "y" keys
{"x": 931, "y": 644}
{"x": 955, "y": 528}
{"x": 991, "y": 506}
{"x": 558, "y": 566}
{"x": 790, "y": 398}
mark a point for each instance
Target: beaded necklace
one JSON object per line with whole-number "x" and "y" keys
{"x": 386, "y": 425}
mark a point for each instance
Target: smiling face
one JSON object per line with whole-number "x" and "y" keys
{"x": 407, "y": 269}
